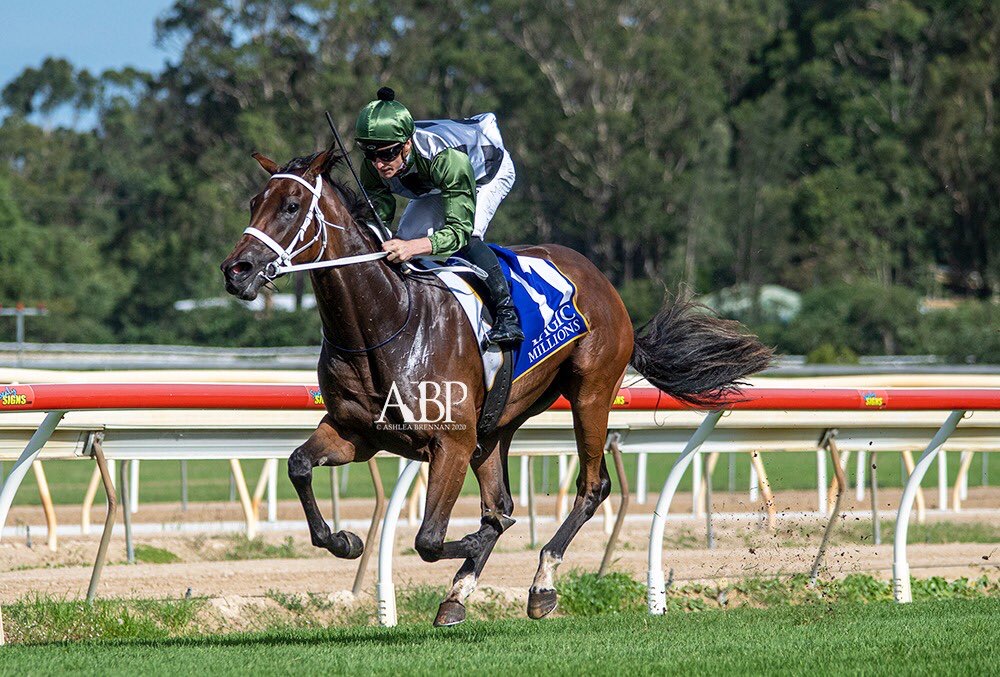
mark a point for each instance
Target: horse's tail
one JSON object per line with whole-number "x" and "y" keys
{"x": 692, "y": 354}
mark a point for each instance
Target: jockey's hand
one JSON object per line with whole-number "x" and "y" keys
{"x": 404, "y": 250}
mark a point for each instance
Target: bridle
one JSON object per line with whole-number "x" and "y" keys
{"x": 283, "y": 264}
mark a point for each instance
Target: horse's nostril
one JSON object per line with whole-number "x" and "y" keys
{"x": 240, "y": 268}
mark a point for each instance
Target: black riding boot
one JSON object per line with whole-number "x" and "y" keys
{"x": 506, "y": 329}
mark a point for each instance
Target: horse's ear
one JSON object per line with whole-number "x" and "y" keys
{"x": 323, "y": 162}
{"x": 269, "y": 165}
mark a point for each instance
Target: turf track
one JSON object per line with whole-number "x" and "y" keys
{"x": 942, "y": 637}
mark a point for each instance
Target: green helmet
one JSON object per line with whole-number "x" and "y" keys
{"x": 384, "y": 120}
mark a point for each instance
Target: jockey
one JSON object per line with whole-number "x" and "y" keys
{"x": 455, "y": 174}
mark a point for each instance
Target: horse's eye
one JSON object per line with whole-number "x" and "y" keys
{"x": 292, "y": 207}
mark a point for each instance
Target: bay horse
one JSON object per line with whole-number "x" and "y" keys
{"x": 384, "y": 329}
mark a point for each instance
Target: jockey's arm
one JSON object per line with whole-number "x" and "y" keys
{"x": 381, "y": 197}
{"x": 451, "y": 172}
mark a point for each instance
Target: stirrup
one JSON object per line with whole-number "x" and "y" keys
{"x": 505, "y": 334}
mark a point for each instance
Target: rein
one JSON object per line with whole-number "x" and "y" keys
{"x": 283, "y": 263}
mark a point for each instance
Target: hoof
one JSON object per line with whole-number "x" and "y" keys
{"x": 449, "y": 613}
{"x": 541, "y": 603}
{"x": 354, "y": 545}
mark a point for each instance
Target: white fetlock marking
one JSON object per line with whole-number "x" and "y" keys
{"x": 463, "y": 587}
{"x": 546, "y": 576}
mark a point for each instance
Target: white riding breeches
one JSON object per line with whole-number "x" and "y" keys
{"x": 425, "y": 215}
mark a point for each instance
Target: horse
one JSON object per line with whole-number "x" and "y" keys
{"x": 385, "y": 330}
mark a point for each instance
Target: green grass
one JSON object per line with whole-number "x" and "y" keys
{"x": 860, "y": 530}
{"x": 209, "y": 480}
{"x": 954, "y": 637}
{"x": 40, "y": 620}
{"x": 257, "y": 548}
{"x": 419, "y": 604}
{"x": 153, "y": 555}
{"x": 587, "y": 594}
{"x": 44, "y": 620}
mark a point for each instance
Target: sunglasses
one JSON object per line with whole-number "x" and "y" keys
{"x": 385, "y": 153}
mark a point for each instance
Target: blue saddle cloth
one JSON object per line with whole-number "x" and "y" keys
{"x": 546, "y": 305}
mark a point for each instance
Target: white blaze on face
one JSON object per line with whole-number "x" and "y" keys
{"x": 545, "y": 579}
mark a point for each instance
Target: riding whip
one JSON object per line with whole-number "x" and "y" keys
{"x": 357, "y": 179}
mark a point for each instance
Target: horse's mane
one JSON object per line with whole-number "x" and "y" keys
{"x": 356, "y": 205}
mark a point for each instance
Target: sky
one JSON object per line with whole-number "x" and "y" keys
{"x": 92, "y": 34}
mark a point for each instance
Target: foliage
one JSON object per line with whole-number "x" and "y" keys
{"x": 820, "y": 146}
{"x": 840, "y": 321}
{"x": 827, "y": 353}
{"x": 587, "y": 594}
{"x": 258, "y": 548}
{"x": 41, "y": 619}
{"x": 863, "y": 318}
{"x": 152, "y": 555}
{"x": 970, "y": 332}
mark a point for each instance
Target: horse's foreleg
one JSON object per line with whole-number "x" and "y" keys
{"x": 593, "y": 485}
{"x": 324, "y": 447}
{"x": 444, "y": 483}
{"x": 497, "y": 507}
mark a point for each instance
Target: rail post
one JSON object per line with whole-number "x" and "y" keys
{"x": 859, "y": 477}
{"x": 52, "y": 538}
{"x": 385, "y": 589}
{"x": 123, "y": 496}
{"x": 377, "y": 516}
{"x": 523, "y": 482}
{"x": 876, "y": 523}
{"x": 21, "y": 465}
{"x": 822, "y": 505}
{"x": 109, "y": 520}
{"x": 641, "y": 484}
{"x": 829, "y": 441}
{"x": 942, "y": 458}
{"x": 960, "y": 492}
{"x": 532, "y": 533}
{"x": 613, "y": 444}
{"x": 88, "y": 501}
{"x": 335, "y": 497}
{"x": 656, "y": 593}
{"x": 900, "y": 567}
{"x": 713, "y": 458}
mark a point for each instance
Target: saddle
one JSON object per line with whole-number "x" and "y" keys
{"x": 498, "y": 364}
{"x": 545, "y": 300}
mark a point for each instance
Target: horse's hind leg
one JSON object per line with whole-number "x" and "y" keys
{"x": 593, "y": 485}
{"x": 497, "y": 507}
{"x": 324, "y": 447}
